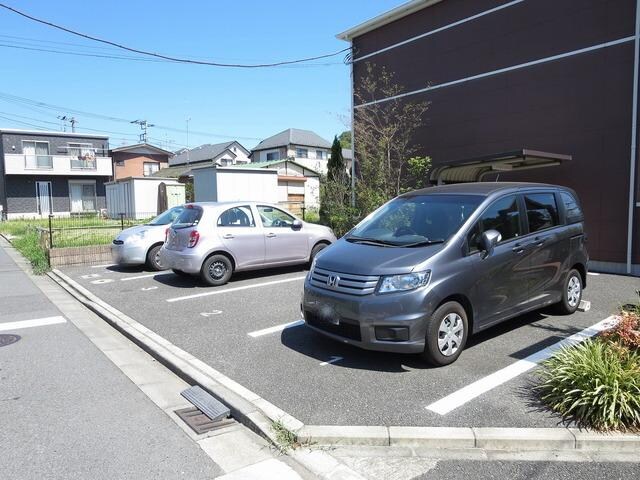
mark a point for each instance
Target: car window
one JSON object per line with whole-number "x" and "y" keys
{"x": 274, "y": 217}
{"x": 502, "y": 215}
{"x": 167, "y": 217}
{"x": 189, "y": 217}
{"x": 572, "y": 208}
{"x": 237, "y": 217}
{"x": 542, "y": 211}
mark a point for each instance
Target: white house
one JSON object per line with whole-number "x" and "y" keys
{"x": 302, "y": 146}
{"x": 222, "y": 154}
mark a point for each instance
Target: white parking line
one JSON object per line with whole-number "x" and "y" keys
{"x": 38, "y": 322}
{"x": 334, "y": 359}
{"x": 593, "y": 273}
{"x": 235, "y": 289}
{"x": 462, "y": 396}
{"x": 277, "y": 328}
{"x": 149, "y": 275}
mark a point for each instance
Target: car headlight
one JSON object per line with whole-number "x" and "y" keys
{"x": 404, "y": 282}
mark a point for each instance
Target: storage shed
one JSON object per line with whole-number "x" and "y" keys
{"x": 138, "y": 197}
{"x": 223, "y": 184}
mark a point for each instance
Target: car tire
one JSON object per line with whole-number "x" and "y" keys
{"x": 571, "y": 293}
{"x": 180, "y": 273}
{"x": 444, "y": 340}
{"x": 216, "y": 270}
{"x": 315, "y": 250}
{"x": 153, "y": 258}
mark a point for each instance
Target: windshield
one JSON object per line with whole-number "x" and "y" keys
{"x": 416, "y": 220}
{"x": 167, "y": 217}
{"x": 189, "y": 217}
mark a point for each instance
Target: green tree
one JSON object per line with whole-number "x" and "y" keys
{"x": 345, "y": 139}
{"x": 335, "y": 165}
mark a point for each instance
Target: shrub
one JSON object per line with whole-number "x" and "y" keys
{"x": 626, "y": 332}
{"x": 596, "y": 384}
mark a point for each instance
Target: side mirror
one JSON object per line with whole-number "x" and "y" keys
{"x": 296, "y": 225}
{"x": 488, "y": 240}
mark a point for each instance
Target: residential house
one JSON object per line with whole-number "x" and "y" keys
{"x": 527, "y": 77}
{"x": 222, "y": 154}
{"x": 59, "y": 173}
{"x": 140, "y": 160}
{"x": 302, "y": 146}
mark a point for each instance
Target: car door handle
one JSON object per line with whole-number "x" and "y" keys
{"x": 271, "y": 235}
{"x": 227, "y": 236}
{"x": 538, "y": 242}
{"x": 517, "y": 248}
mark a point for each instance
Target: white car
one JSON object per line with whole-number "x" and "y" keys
{"x": 140, "y": 245}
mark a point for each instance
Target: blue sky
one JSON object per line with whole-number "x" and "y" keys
{"x": 234, "y": 103}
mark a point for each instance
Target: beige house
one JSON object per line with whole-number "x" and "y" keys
{"x": 140, "y": 160}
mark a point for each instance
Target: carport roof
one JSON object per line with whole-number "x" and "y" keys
{"x": 474, "y": 169}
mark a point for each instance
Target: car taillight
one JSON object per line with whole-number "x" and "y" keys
{"x": 194, "y": 236}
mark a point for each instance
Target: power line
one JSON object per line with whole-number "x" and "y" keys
{"x": 23, "y": 101}
{"x": 168, "y": 57}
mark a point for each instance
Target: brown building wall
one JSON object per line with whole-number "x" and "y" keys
{"x": 134, "y": 163}
{"x": 578, "y": 105}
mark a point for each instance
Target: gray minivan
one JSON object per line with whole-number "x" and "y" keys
{"x": 431, "y": 267}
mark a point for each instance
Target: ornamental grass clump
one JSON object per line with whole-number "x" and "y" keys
{"x": 596, "y": 384}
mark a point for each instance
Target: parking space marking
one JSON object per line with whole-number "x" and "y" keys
{"x": 334, "y": 359}
{"x": 103, "y": 266}
{"x": 146, "y": 289}
{"x": 149, "y": 275}
{"x": 234, "y": 289}
{"x": 468, "y": 393}
{"x": 210, "y": 314}
{"x": 100, "y": 281}
{"x": 91, "y": 275}
{"x": 38, "y": 322}
{"x": 277, "y": 328}
{"x": 593, "y": 273}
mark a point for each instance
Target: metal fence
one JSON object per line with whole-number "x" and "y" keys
{"x": 85, "y": 230}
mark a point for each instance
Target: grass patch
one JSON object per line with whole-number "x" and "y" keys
{"x": 29, "y": 246}
{"x": 597, "y": 383}
{"x": 285, "y": 438}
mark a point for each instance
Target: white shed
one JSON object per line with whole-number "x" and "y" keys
{"x": 224, "y": 184}
{"x": 137, "y": 197}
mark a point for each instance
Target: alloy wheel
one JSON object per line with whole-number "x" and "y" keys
{"x": 573, "y": 291}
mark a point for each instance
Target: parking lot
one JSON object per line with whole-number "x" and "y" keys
{"x": 251, "y": 330}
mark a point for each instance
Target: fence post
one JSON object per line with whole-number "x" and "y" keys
{"x": 121, "y": 221}
{"x": 50, "y": 230}
{"x": 303, "y": 210}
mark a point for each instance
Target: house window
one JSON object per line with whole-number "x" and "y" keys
{"x": 150, "y": 168}
{"x": 320, "y": 154}
{"x": 119, "y": 163}
{"x": 82, "y": 155}
{"x": 302, "y": 153}
{"x": 82, "y": 196}
{"x": 36, "y": 154}
{"x": 273, "y": 156}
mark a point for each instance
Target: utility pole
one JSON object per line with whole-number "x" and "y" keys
{"x": 188, "y": 120}
{"x": 71, "y": 120}
{"x": 143, "y": 126}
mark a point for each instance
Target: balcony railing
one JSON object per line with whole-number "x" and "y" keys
{"x": 44, "y": 162}
{"x": 83, "y": 164}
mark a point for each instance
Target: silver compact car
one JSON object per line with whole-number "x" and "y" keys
{"x": 214, "y": 240}
{"x": 140, "y": 245}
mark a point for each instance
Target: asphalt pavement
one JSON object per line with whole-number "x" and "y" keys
{"x": 67, "y": 411}
{"x": 239, "y": 329}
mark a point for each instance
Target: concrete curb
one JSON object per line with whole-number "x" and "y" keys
{"x": 258, "y": 413}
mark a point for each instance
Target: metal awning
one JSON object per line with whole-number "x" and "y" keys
{"x": 473, "y": 170}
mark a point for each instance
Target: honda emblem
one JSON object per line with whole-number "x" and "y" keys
{"x": 333, "y": 281}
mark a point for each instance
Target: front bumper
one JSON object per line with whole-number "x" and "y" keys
{"x": 180, "y": 260}
{"x": 128, "y": 254}
{"x": 358, "y": 317}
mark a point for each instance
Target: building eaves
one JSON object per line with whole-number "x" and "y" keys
{"x": 390, "y": 16}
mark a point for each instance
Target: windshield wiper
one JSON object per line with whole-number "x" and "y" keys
{"x": 424, "y": 242}
{"x": 371, "y": 241}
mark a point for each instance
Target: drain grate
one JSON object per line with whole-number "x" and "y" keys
{"x": 199, "y": 422}
{"x": 8, "y": 339}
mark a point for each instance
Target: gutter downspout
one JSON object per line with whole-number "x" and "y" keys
{"x": 353, "y": 137}
{"x": 634, "y": 129}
